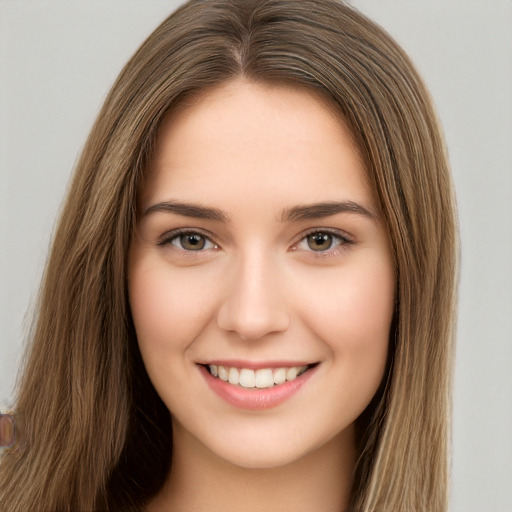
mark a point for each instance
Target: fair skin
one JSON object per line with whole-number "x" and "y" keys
{"x": 282, "y": 264}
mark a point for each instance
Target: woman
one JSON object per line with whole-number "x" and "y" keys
{"x": 199, "y": 346}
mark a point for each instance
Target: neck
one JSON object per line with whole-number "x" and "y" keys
{"x": 200, "y": 481}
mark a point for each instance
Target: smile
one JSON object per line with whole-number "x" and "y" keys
{"x": 256, "y": 388}
{"x": 260, "y": 379}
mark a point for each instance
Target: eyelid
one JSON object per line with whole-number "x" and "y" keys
{"x": 345, "y": 238}
{"x": 169, "y": 236}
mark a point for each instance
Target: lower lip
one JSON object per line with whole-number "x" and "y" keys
{"x": 255, "y": 398}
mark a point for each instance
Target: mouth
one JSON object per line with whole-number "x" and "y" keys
{"x": 262, "y": 378}
{"x": 256, "y": 386}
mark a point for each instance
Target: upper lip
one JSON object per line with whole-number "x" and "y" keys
{"x": 255, "y": 365}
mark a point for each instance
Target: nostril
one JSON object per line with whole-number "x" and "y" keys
{"x": 252, "y": 323}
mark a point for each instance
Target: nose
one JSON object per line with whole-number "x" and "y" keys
{"x": 254, "y": 303}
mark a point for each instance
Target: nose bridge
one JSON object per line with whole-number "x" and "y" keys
{"x": 254, "y": 304}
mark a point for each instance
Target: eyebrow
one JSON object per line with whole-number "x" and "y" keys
{"x": 189, "y": 210}
{"x": 293, "y": 214}
{"x": 325, "y": 209}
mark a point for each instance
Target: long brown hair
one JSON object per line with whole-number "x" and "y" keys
{"x": 95, "y": 434}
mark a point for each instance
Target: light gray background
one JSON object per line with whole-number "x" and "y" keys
{"x": 58, "y": 59}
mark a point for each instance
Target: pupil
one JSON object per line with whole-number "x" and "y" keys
{"x": 192, "y": 242}
{"x": 319, "y": 241}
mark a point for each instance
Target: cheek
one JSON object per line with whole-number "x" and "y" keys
{"x": 354, "y": 314}
{"x": 168, "y": 308}
{"x": 350, "y": 311}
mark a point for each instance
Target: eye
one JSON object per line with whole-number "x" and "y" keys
{"x": 322, "y": 241}
{"x": 191, "y": 241}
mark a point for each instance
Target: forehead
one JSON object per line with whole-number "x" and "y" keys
{"x": 256, "y": 136}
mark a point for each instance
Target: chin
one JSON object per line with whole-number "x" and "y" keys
{"x": 259, "y": 457}
{"x": 259, "y": 450}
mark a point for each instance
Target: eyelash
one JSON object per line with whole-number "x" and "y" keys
{"x": 343, "y": 240}
{"x": 169, "y": 237}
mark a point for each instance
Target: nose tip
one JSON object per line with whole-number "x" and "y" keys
{"x": 252, "y": 325}
{"x": 253, "y": 307}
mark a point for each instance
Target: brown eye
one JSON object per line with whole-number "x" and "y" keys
{"x": 192, "y": 242}
{"x": 320, "y": 241}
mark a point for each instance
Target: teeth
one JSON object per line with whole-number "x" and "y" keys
{"x": 262, "y": 378}
{"x": 247, "y": 378}
{"x": 291, "y": 373}
{"x": 234, "y": 376}
{"x": 280, "y": 376}
{"x": 223, "y": 373}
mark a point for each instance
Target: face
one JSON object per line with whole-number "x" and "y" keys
{"x": 260, "y": 278}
